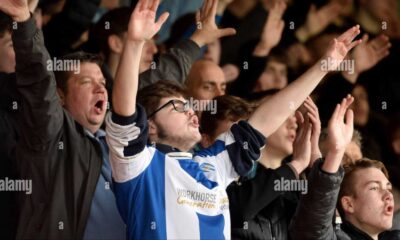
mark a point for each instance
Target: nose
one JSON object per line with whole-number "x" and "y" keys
{"x": 292, "y": 122}
{"x": 219, "y": 91}
{"x": 99, "y": 88}
{"x": 387, "y": 195}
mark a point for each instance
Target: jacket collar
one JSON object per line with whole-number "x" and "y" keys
{"x": 173, "y": 152}
{"x": 354, "y": 232}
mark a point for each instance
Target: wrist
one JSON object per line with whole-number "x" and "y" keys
{"x": 198, "y": 39}
{"x": 299, "y": 165}
{"x": 351, "y": 77}
{"x": 23, "y": 17}
{"x": 333, "y": 160}
{"x": 262, "y": 49}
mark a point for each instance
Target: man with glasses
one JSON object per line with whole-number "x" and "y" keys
{"x": 162, "y": 191}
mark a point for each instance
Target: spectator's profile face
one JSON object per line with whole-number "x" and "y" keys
{"x": 206, "y": 81}
{"x": 7, "y": 54}
{"x": 371, "y": 206}
{"x": 174, "y": 128}
{"x": 360, "y": 106}
{"x": 86, "y": 97}
{"x": 274, "y": 76}
{"x": 281, "y": 141}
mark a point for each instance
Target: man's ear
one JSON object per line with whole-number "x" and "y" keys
{"x": 152, "y": 128}
{"x": 62, "y": 96}
{"x": 396, "y": 146}
{"x": 347, "y": 204}
{"x": 115, "y": 43}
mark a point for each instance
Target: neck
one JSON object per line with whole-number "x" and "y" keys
{"x": 271, "y": 159}
{"x": 183, "y": 146}
{"x": 370, "y": 231}
{"x": 113, "y": 61}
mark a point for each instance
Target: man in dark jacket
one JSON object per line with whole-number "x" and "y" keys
{"x": 364, "y": 197}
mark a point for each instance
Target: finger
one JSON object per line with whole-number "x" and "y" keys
{"x": 161, "y": 20}
{"x": 310, "y": 109}
{"x": 336, "y": 112}
{"x": 313, "y": 119}
{"x": 209, "y": 8}
{"x": 198, "y": 17}
{"x": 299, "y": 117}
{"x": 365, "y": 38}
{"x": 203, "y": 9}
{"x": 307, "y": 136}
{"x": 380, "y": 54}
{"x": 354, "y": 44}
{"x": 226, "y": 32}
{"x": 349, "y": 34}
{"x": 139, "y": 6}
{"x": 349, "y": 119}
{"x": 154, "y": 6}
{"x": 146, "y": 4}
{"x": 281, "y": 25}
{"x": 214, "y": 8}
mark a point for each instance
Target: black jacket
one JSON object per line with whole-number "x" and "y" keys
{"x": 9, "y": 108}
{"x": 54, "y": 152}
{"x": 257, "y": 210}
{"x": 315, "y": 211}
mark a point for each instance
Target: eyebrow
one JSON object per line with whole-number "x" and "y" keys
{"x": 377, "y": 182}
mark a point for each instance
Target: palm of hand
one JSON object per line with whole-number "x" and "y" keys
{"x": 13, "y": 7}
{"x": 339, "y": 135}
{"x": 337, "y": 52}
{"x": 143, "y": 25}
{"x": 364, "y": 57}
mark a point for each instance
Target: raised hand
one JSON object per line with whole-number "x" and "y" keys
{"x": 340, "y": 132}
{"x": 302, "y": 143}
{"x": 207, "y": 31}
{"x": 369, "y": 53}
{"x": 339, "y": 47}
{"x": 142, "y": 24}
{"x": 272, "y": 31}
{"x": 312, "y": 113}
{"x": 18, "y": 10}
{"x": 318, "y": 20}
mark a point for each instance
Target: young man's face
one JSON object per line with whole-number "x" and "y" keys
{"x": 360, "y": 105}
{"x": 147, "y": 57}
{"x": 86, "y": 98}
{"x": 7, "y": 54}
{"x": 177, "y": 129}
{"x": 372, "y": 203}
{"x": 273, "y": 77}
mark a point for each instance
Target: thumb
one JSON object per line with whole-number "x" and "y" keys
{"x": 313, "y": 8}
{"x": 365, "y": 38}
{"x": 226, "y": 32}
{"x": 162, "y": 20}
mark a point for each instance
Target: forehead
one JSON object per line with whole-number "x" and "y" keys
{"x": 275, "y": 64}
{"x": 88, "y": 69}
{"x": 211, "y": 73}
{"x": 363, "y": 176}
{"x": 166, "y": 99}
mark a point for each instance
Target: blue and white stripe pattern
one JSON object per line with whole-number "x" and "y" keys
{"x": 176, "y": 195}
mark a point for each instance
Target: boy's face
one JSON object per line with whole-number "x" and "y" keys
{"x": 372, "y": 201}
{"x": 281, "y": 141}
{"x": 273, "y": 77}
{"x": 7, "y": 54}
{"x": 175, "y": 128}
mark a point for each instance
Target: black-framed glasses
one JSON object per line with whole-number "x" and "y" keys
{"x": 179, "y": 106}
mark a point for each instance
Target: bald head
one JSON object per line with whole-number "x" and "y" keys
{"x": 206, "y": 80}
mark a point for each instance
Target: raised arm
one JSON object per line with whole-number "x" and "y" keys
{"x": 142, "y": 26}
{"x": 176, "y": 63}
{"x": 273, "y": 112}
{"x": 42, "y": 111}
{"x": 313, "y": 218}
